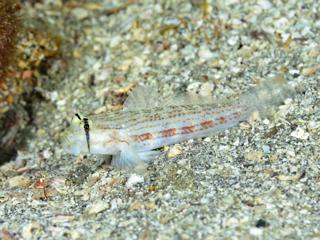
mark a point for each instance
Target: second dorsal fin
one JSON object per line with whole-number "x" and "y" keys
{"x": 142, "y": 97}
{"x": 148, "y": 97}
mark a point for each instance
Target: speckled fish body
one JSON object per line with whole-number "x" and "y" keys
{"x": 173, "y": 124}
{"x": 131, "y": 135}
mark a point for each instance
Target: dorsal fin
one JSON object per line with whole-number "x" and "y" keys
{"x": 142, "y": 97}
{"x": 147, "y": 97}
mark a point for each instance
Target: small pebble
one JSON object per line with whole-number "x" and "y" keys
{"x": 136, "y": 206}
{"x": 115, "y": 203}
{"x": 80, "y": 13}
{"x": 254, "y": 156}
{"x": 309, "y": 71}
{"x": 29, "y": 230}
{"x": 257, "y": 232}
{"x": 97, "y": 207}
{"x": 266, "y": 148}
{"x": 206, "y": 89}
{"x": 19, "y": 181}
{"x": 231, "y": 222}
{"x": 133, "y": 180}
{"x": 47, "y": 153}
{"x": 205, "y": 53}
{"x": 150, "y": 205}
{"x": 313, "y": 125}
{"x": 167, "y": 196}
{"x": 194, "y": 87}
{"x": 265, "y": 4}
{"x": 233, "y": 40}
{"x": 102, "y": 75}
{"x": 189, "y": 52}
{"x": 174, "y": 151}
{"x": 300, "y": 133}
{"x": 289, "y": 177}
{"x": 62, "y": 218}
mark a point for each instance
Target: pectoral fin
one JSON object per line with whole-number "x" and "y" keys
{"x": 130, "y": 157}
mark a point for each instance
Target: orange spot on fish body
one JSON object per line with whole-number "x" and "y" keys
{"x": 168, "y": 133}
{"x": 207, "y": 124}
{"x": 222, "y": 120}
{"x": 145, "y": 137}
{"x": 187, "y": 129}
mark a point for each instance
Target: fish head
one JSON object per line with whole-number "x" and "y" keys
{"x": 75, "y": 137}
{"x": 84, "y": 136}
